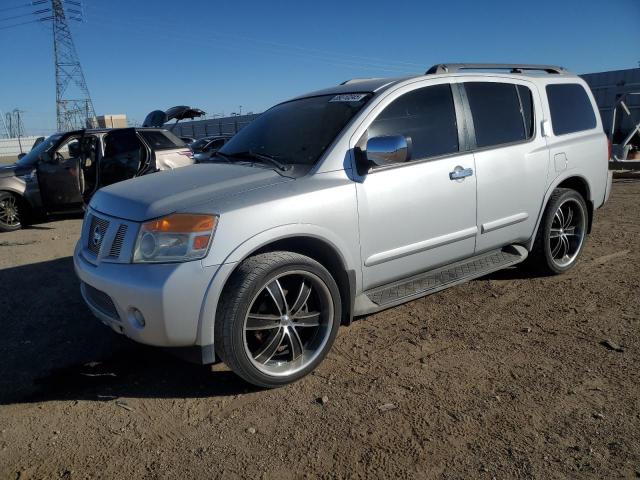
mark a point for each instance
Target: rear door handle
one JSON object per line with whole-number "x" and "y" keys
{"x": 460, "y": 173}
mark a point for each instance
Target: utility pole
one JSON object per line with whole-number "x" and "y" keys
{"x": 74, "y": 108}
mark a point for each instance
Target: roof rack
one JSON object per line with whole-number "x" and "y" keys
{"x": 512, "y": 67}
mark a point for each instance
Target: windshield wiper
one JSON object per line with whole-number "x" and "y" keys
{"x": 262, "y": 157}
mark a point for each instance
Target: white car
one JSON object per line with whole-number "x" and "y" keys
{"x": 344, "y": 202}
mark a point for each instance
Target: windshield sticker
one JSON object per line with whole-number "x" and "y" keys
{"x": 348, "y": 97}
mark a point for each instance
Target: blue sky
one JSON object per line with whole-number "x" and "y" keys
{"x": 142, "y": 55}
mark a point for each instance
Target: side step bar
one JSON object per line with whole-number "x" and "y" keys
{"x": 433, "y": 281}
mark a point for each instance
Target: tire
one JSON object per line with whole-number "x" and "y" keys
{"x": 9, "y": 212}
{"x": 278, "y": 317}
{"x": 561, "y": 236}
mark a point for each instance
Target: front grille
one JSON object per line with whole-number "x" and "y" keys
{"x": 97, "y": 231}
{"x": 116, "y": 246}
{"x": 101, "y": 301}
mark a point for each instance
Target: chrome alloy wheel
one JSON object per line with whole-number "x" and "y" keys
{"x": 9, "y": 214}
{"x": 567, "y": 233}
{"x": 288, "y": 323}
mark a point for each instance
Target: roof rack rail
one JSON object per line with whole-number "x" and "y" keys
{"x": 512, "y": 67}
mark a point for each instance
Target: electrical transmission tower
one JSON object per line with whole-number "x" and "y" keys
{"x": 13, "y": 123}
{"x": 74, "y": 108}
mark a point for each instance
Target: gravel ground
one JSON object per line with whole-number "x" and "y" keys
{"x": 504, "y": 377}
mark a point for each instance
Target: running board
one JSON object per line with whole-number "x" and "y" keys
{"x": 435, "y": 280}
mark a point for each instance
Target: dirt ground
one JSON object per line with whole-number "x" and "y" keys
{"x": 504, "y": 377}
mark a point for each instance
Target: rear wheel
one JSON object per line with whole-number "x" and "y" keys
{"x": 9, "y": 212}
{"x": 278, "y": 318}
{"x": 561, "y": 234}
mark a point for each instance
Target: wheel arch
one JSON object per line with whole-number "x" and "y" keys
{"x": 574, "y": 182}
{"x": 309, "y": 242}
{"x": 328, "y": 256}
{"x": 23, "y": 202}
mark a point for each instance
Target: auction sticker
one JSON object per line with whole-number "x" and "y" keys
{"x": 348, "y": 97}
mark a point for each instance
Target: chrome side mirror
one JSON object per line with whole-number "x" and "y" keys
{"x": 388, "y": 150}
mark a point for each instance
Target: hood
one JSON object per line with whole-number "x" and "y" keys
{"x": 162, "y": 193}
{"x": 8, "y": 170}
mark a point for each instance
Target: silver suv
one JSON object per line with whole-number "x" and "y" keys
{"x": 344, "y": 202}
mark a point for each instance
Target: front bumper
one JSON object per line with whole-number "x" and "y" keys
{"x": 170, "y": 298}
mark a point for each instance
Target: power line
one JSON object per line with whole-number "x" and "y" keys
{"x": 16, "y": 7}
{"x": 5, "y": 27}
{"x": 24, "y": 15}
{"x": 330, "y": 59}
{"x": 141, "y": 22}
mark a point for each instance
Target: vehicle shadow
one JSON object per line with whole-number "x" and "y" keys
{"x": 52, "y": 348}
{"x": 517, "y": 272}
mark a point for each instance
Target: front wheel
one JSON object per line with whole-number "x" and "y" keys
{"x": 278, "y": 318}
{"x": 9, "y": 213}
{"x": 561, "y": 234}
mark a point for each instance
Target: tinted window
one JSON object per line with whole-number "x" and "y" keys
{"x": 199, "y": 144}
{"x": 123, "y": 154}
{"x": 214, "y": 145}
{"x": 298, "y": 131}
{"x": 571, "y": 110}
{"x": 161, "y": 140}
{"x": 427, "y": 116}
{"x": 497, "y": 117}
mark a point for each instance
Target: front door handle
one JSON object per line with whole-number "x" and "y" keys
{"x": 460, "y": 173}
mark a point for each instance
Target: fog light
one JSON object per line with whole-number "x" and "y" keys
{"x": 136, "y": 318}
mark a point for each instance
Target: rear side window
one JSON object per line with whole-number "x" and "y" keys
{"x": 427, "y": 116}
{"x": 502, "y": 112}
{"x": 161, "y": 140}
{"x": 571, "y": 109}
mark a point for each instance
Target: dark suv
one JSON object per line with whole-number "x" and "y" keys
{"x": 62, "y": 173}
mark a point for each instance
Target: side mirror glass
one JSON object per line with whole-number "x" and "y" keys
{"x": 388, "y": 150}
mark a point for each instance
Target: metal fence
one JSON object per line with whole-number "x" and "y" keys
{"x": 11, "y": 147}
{"x": 214, "y": 126}
{"x": 608, "y": 87}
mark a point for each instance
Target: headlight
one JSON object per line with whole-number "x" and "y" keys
{"x": 175, "y": 238}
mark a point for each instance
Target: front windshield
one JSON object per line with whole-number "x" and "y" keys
{"x": 31, "y": 158}
{"x": 299, "y": 131}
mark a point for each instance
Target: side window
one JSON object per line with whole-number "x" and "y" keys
{"x": 498, "y": 116}
{"x": 215, "y": 145}
{"x": 68, "y": 149}
{"x": 427, "y": 116}
{"x": 162, "y": 140}
{"x": 570, "y": 107}
{"x": 123, "y": 155}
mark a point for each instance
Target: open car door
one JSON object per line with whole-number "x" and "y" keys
{"x": 60, "y": 177}
{"x": 124, "y": 155}
{"x": 158, "y": 118}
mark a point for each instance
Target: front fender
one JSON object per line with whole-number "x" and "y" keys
{"x": 252, "y": 244}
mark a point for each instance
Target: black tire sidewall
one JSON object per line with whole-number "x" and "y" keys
{"x": 233, "y": 349}
{"x": 3, "y": 226}
{"x": 548, "y": 221}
